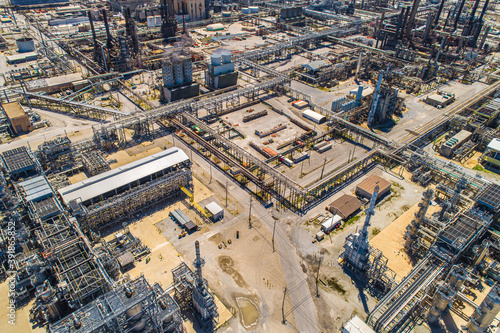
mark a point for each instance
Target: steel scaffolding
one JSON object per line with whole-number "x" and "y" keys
{"x": 124, "y": 205}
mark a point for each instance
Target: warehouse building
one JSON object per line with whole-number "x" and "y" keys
{"x": 116, "y": 181}
{"x": 345, "y": 206}
{"x": 18, "y": 119}
{"x": 366, "y": 187}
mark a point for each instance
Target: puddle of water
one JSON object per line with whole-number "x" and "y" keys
{"x": 249, "y": 311}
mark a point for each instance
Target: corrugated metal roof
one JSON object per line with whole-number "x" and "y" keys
{"x": 315, "y": 65}
{"x": 346, "y": 205}
{"x": 36, "y": 189}
{"x": 369, "y": 184}
{"x": 127, "y": 174}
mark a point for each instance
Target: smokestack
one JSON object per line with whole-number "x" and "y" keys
{"x": 458, "y": 15}
{"x": 109, "y": 45}
{"x": 436, "y": 21}
{"x": 412, "y": 17}
{"x": 485, "y": 7}
{"x": 94, "y": 37}
{"x": 198, "y": 264}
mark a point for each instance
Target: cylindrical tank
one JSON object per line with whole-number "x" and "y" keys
{"x": 226, "y": 14}
{"x": 25, "y": 44}
{"x": 442, "y": 299}
{"x": 245, "y": 10}
{"x": 216, "y": 59}
{"x": 253, "y": 9}
{"x": 484, "y": 315}
{"x": 226, "y": 57}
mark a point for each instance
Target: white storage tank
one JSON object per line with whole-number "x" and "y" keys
{"x": 151, "y": 21}
{"x": 216, "y": 59}
{"x": 157, "y": 21}
{"x": 25, "y": 44}
{"x": 226, "y": 57}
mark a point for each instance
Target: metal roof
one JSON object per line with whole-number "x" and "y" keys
{"x": 315, "y": 65}
{"x": 113, "y": 179}
{"x": 36, "y": 189}
{"x": 494, "y": 145}
{"x": 213, "y": 208}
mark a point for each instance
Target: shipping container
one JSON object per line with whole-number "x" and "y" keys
{"x": 324, "y": 148}
{"x": 314, "y": 116}
{"x": 286, "y": 161}
{"x": 331, "y": 224}
{"x": 300, "y": 104}
{"x": 300, "y": 157}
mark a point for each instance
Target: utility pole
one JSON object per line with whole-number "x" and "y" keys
{"x": 317, "y": 277}
{"x": 322, "y": 170}
{"x": 274, "y": 229}
{"x": 283, "y": 308}
{"x": 210, "y": 173}
{"x": 250, "y": 214}
{"x": 301, "y": 168}
{"x": 226, "y": 191}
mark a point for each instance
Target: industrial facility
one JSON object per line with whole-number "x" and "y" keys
{"x": 202, "y": 166}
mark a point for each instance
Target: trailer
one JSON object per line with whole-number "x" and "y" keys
{"x": 286, "y": 161}
{"x": 330, "y": 224}
{"x": 300, "y": 157}
{"x": 324, "y": 148}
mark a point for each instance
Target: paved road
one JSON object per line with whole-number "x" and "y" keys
{"x": 304, "y": 309}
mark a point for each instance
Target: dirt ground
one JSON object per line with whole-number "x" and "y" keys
{"x": 22, "y": 323}
{"x": 391, "y": 242}
{"x": 164, "y": 257}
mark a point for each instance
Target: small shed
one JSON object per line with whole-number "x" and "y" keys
{"x": 366, "y": 187}
{"x": 345, "y": 206}
{"x": 190, "y": 226}
{"x": 126, "y": 259}
{"x": 215, "y": 210}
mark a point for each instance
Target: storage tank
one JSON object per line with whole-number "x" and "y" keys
{"x": 25, "y": 44}
{"x": 226, "y": 14}
{"x": 226, "y": 57}
{"x": 157, "y": 21}
{"x": 151, "y": 21}
{"x": 253, "y": 9}
{"x": 245, "y": 10}
{"x": 216, "y": 59}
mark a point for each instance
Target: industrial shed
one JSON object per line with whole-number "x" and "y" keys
{"x": 112, "y": 182}
{"x": 215, "y": 210}
{"x": 18, "y": 119}
{"x": 366, "y": 187}
{"x": 314, "y": 116}
{"x": 345, "y": 206}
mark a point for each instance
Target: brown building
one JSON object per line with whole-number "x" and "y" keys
{"x": 345, "y": 206}
{"x": 18, "y": 119}
{"x": 366, "y": 187}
